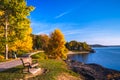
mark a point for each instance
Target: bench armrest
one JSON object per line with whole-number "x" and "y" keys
{"x": 34, "y": 65}
{"x": 27, "y": 64}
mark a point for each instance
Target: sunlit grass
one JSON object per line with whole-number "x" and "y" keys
{"x": 12, "y": 74}
{"x": 54, "y": 68}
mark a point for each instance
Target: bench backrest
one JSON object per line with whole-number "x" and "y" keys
{"x": 26, "y": 61}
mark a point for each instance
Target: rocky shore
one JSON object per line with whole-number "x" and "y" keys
{"x": 93, "y": 71}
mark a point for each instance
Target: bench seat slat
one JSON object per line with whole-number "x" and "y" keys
{"x": 32, "y": 67}
{"x": 34, "y": 70}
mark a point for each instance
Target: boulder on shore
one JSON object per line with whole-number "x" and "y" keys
{"x": 92, "y": 51}
{"x": 93, "y": 71}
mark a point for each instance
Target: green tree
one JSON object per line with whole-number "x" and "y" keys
{"x": 78, "y": 46}
{"x": 14, "y": 23}
{"x": 73, "y": 45}
{"x": 40, "y": 41}
{"x": 86, "y": 47}
{"x": 44, "y": 41}
{"x": 33, "y": 40}
{"x": 56, "y": 47}
{"x": 38, "y": 44}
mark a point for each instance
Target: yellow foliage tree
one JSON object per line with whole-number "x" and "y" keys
{"x": 15, "y": 26}
{"x": 24, "y": 44}
{"x": 56, "y": 47}
{"x": 1, "y": 12}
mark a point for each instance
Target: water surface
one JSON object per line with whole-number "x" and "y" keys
{"x": 106, "y": 56}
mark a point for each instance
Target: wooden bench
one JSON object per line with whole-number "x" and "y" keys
{"x": 29, "y": 66}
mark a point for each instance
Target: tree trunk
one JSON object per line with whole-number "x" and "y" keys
{"x": 6, "y": 51}
{"x": 6, "y": 44}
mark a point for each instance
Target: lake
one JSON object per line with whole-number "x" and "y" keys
{"x": 108, "y": 57}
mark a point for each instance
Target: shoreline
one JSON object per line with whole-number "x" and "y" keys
{"x": 78, "y": 52}
{"x": 93, "y": 71}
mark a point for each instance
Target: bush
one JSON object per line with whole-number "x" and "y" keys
{"x": 39, "y": 56}
{"x": 2, "y": 58}
{"x": 21, "y": 53}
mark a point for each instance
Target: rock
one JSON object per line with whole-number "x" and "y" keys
{"x": 92, "y": 51}
{"x": 93, "y": 71}
{"x": 65, "y": 76}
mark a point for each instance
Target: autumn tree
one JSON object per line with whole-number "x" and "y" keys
{"x": 14, "y": 25}
{"x": 86, "y": 47}
{"x": 78, "y": 46}
{"x": 24, "y": 44}
{"x": 56, "y": 47}
{"x": 74, "y": 45}
{"x": 44, "y": 41}
{"x": 40, "y": 41}
{"x": 37, "y": 42}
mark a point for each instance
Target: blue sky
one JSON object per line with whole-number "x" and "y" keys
{"x": 93, "y": 21}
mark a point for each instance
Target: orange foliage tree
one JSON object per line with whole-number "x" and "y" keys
{"x": 56, "y": 48}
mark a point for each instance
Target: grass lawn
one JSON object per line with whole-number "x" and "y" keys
{"x": 54, "y": 67}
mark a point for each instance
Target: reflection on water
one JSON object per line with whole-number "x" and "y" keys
{"x": 79, "y": 57}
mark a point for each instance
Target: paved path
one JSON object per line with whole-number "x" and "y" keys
{"x": 30, "y": 54}
{"x": 13, "y": 63}
{"x": 10, "y": 64}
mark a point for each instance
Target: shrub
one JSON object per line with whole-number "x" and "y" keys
{"x": 2, "y": 58}
{"x": 39, "y": 56}
{"x": 21, "y": 53}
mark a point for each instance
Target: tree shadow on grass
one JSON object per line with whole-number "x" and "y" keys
{"x": 12, "y": 74}
{"x": 12, "y": 70}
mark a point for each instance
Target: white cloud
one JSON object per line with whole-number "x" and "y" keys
{"x": 92, "y": 35}
{"x": 71, "y": 32}
{"x": 49, "y": 27}
{"x": 62, "y": 14}
{"x": 44, "y": 28}
{"x": 105, "y": 40}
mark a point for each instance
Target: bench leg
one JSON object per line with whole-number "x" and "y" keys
{"x": 26, "y": 70}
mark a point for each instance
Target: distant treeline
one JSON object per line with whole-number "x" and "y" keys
{"x": 78, "y": 46}
{"x": 40, "y": 42}
{"x": 98, "y": 45}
